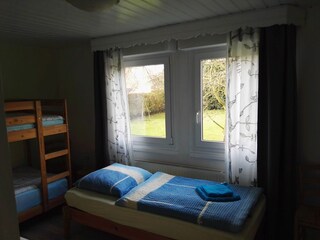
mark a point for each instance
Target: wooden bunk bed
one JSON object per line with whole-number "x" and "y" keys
{"x": 35, "y": 119}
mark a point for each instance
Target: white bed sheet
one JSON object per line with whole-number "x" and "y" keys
{"x": 103, "y": 206}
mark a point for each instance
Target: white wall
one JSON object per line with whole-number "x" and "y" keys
{"x": 27, "y": 72}
{"x": 75, "y": 72}
{"x": 30, "y": 71}
{"x": 308, "y": 67}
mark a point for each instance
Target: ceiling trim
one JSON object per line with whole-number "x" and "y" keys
{"x": 285, "y": 14}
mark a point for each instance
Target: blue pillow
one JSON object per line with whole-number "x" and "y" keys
{"x": 116, "y": 179}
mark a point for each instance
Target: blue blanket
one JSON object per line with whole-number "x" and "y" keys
{"x": 176, "y": 197}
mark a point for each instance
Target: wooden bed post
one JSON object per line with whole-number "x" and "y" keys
{"x": 68, "y": 163}
{"x": 42, "y": 153}
{"x": 66, "y": 221}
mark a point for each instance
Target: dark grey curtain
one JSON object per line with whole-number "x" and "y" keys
{"x": 100, "y": 105}
{"x": 277, "y": 128}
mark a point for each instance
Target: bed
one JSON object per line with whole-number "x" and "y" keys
{"x": 133, "y": 217}
{"x": 37, "y": 191}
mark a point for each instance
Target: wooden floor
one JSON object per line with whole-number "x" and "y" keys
{"x": 50, "y": 227}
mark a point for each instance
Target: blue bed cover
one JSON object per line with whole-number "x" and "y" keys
{"x": 176, "y": 197}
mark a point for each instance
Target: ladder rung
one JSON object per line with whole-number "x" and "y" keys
{"x": 56, "y": 154}
{"x": 57, "y": 177}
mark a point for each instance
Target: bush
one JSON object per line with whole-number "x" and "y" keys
{"x": 154, "y": 102}
{"x": 143, "y": 104}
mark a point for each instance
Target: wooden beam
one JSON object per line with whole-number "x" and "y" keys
{"x": 11, "y": 121}
{"x": 18, "y": 106}
{"x": 16, "y": 136}
{"x": 55, "y": 129}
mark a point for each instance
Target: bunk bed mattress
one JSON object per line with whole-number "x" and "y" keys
{"x": 32, "y": 197}
{"x": 26, "y": 182}
{"x": 104, "y": 206}
{"x": 176, "y": 197}
{"x": 47, "y": 120}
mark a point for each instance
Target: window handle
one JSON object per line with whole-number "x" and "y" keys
{"x": 198, "y": 117}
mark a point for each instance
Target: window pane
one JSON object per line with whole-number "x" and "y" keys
{"x": 213, "y": 82}
{"x": 146, "y": 96}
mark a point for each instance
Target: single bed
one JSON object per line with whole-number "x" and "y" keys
{"x": 102, "y": 211}
{"x": 99, "y": 211}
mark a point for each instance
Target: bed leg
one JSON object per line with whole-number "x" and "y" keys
{"x": 67, "y": 221}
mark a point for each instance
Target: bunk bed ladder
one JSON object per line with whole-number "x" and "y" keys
{"x": 44, "y": 157}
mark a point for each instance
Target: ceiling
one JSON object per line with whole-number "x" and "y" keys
{"x": 59, "y": 21}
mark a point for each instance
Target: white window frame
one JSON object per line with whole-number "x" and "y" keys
{"x": 144, "y": 142}
{"x": 199, "y": 144}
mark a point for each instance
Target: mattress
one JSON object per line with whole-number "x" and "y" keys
{"x": 26, "y": 183}
{"x": 47, "y": 120}
{"x": 104, "y": 206}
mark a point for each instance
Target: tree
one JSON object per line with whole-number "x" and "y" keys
{"x": 213, "y": 83}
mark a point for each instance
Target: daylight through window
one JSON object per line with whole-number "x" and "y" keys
{"x": 146, "y": 95}
{"x": 213, "y": 97}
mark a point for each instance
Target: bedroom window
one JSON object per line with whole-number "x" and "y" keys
{"x": 210, "y": 75}
{"x": 147, "y": 81}
{"x": 177, "y": 102}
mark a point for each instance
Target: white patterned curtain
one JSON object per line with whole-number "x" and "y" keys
{"x": 242, "y": 107}
{"x": 118, "y": 125}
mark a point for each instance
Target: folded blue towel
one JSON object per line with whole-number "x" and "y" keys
{"x": 202, "y": 194}
{"x": 217, "y": 190}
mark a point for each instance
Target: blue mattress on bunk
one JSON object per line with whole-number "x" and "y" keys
{"x": 176, "y": 197}
{"x": 32, "y": 197}
{"x": 47, "y": 120}
{"x": 26, "y": 181}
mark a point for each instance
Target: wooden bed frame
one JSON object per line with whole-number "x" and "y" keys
{"x": 108, "y": 226}
{"x": 32, "y": 114}
{"x": 105, "y": 225}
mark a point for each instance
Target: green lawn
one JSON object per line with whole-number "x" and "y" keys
{"x": 213, "y": 125}
{"x": 154, "y": 126}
